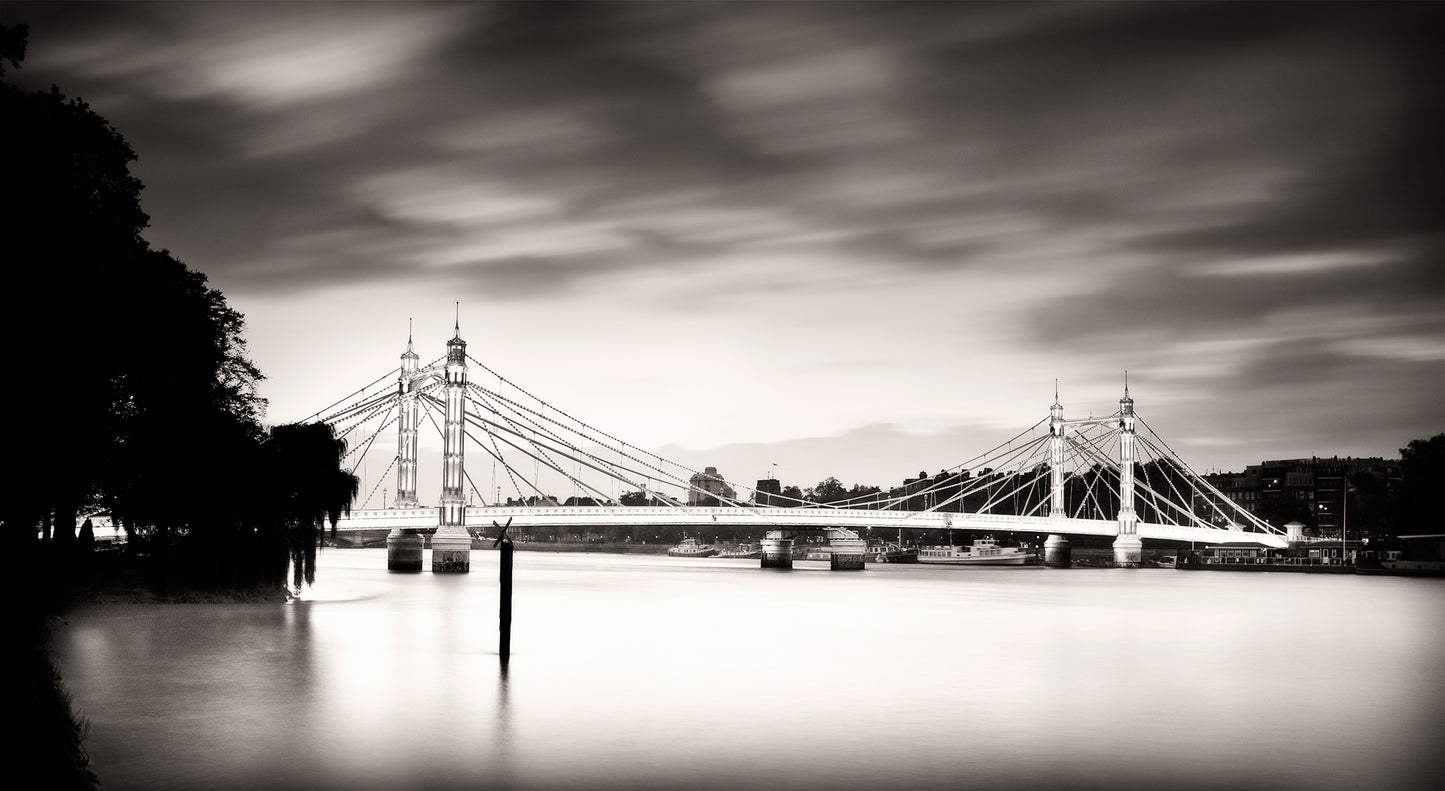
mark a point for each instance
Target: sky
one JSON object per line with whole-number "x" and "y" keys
{"x": 848, "y": 239}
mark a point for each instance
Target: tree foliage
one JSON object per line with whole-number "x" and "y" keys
{"x": 139, "y": 398}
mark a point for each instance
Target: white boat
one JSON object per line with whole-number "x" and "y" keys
{"x": 1166, "y": 562}
{"x": 690, "y": 548}
{"x": 982, "y": 552}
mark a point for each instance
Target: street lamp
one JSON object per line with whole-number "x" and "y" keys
{"x": 1344, "y": 514}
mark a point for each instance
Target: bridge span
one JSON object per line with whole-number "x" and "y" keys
{"x": 855, "y": 519}
{"x": 1104, "y": 476}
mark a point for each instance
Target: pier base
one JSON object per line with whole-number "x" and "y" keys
{"x": 403, "y": 550}
{"x": 777, "y": 553}
{"x": 848, "y": 553}
{"x": 451, "y": 550}
{"x": 1057, "y": 552}
{"x": 1128, "y": 552}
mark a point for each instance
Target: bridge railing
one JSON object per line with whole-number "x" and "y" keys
{"x": 811, "y": 518}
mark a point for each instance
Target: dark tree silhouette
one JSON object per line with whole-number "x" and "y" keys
{"x": 308, "y": 488}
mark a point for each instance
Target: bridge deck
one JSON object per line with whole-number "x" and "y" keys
{"x": 792, "y": 518}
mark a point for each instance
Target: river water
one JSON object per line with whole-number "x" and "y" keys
{"x": 648, "y": 672}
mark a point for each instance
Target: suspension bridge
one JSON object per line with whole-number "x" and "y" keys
{"x": 1107, "y": 476}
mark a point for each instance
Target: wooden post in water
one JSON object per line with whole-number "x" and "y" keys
{"x": 504, "y": 622}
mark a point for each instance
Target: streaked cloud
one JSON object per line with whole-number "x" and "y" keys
{"x": 918, "y": 204}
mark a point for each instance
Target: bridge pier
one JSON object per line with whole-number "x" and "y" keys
{"x": 777, "y": 553}
{"x": 451, "y": 550}
{"x": 403, "y": 549}
{"x": 848, "y": 553}
{"x": 1128, "y": 551}
{"x": 1057, "y": 552}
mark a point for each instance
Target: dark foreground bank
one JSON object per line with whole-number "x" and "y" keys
{"x": 44, "y": 730}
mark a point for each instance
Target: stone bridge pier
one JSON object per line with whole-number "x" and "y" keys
{"x": 846, "y": 550}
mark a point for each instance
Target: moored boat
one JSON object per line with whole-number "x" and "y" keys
{"x": 982, "y": 552}
{"x": 891, "y": 553}
{"x": 741, "y": 551}
{"x": 1166, "y": 562}
{"x": 690, "y": 548}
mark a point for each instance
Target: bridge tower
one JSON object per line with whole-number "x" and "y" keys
{"x": 452, "y": 544}
{"x": 1056, "y": 547}
{"x": 406, "y": 433}
{"x": 1128, "y": 548}
{"x": 404, "y": 545}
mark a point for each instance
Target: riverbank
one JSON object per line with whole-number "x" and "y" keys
{"x": 45, "y": 730}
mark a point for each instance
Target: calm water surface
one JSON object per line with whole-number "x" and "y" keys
{"x": 660, "y": 673}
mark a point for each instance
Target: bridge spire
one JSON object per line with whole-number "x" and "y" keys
{"x": 1056, "y": 547}
{"x": 407, "y": 426}
{"x": 451, "y": 545}
{"x": 1128, "y": 549}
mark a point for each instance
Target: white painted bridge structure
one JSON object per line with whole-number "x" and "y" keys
{"x": 1108, "y": 476}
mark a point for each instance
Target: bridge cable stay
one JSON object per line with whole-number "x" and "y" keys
{"x": 514, "y": 385}
{"x": 1083, "y": 465}
{"x": 987, "y": 482}
{"x": 363, "y": 389}
{"x": 1100, "y": 464}
{"x": 552, "y": 464}
{"x": 497, "y": 456}
{"x": 535, "y": 428}
{"x": 495, "y": 453}
{"x": 603, "y": 466}
{"x": 575, "y": 449}
{"x": 588, "y": 428}
{"x": 352, "y": 448}
{"x": 487, "y": 426}
{"x": 343, "y": 423}
{"x": 362, "y": 456}
{"x": 937, "y": 485}
{"x": 539, "y": 427}
{"x": 379, "y": 481}
{"x": 1009, "y": 464}
{"x": 435, "y": 405}
{"x": 1199, "y": 481}
{"x": 1001, "y": 462}
{"x": 572, "y": 448}
{"x": 997, "y": 494}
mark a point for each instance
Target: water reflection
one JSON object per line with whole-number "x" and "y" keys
{"x": 644, "y": 672}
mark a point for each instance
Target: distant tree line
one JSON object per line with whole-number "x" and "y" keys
{"x": 132, "y": 391}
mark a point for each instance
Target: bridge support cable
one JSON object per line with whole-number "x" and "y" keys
{"x": 512, "y": 428}
{"x": 1012, "y": 465}
{"x": 315, "y": 415}
{"x": 379, "y": 482}
{"x": 546, "y": 459}
{"x": 1178, "y": 509}
{"x": 434, "y": 404}
{"x": 539, "y": 422}
{"x": 585, "y": 428}
{"x": 1210, "y": 493}
{"x": 361, "y": 456}
{"x": 972, "y": 485}
{"x": 986, "y": 458}
{"x": 344, "y": 423}
{"x": 566, "y": 449}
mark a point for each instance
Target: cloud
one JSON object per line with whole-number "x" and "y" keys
{"x": 1232, "y": 195}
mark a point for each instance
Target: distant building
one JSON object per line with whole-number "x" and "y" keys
{"x": 708, "y": 488}
{"x": 1317, "y": 481}
{"x": 769, "y": 492}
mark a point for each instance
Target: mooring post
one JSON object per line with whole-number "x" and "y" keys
{"x": 504, "y": 614}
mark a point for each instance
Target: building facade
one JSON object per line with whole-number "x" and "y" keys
{"x": 707, "y": 488}
{"x": 1317, "y": 484}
